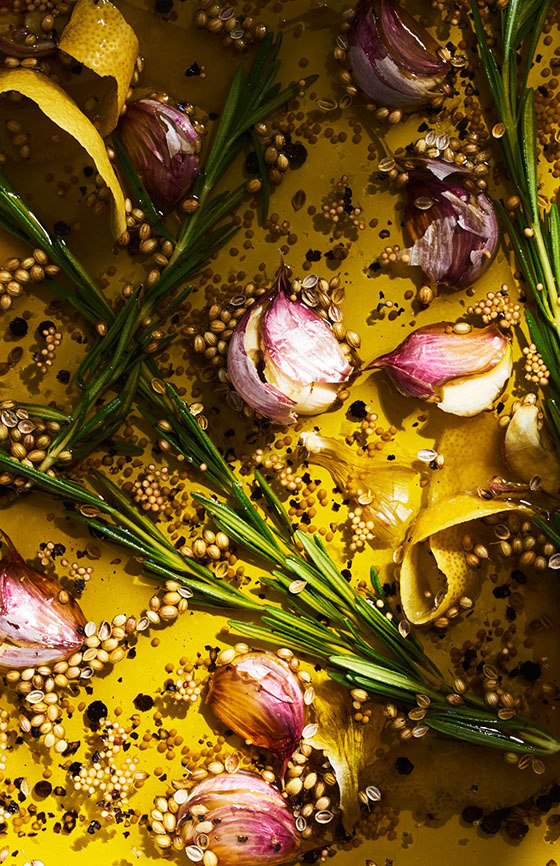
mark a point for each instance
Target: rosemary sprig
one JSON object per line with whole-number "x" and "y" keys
{"x": 247, "y": 102}
{"x": 355, "y": 635}
{"x": 535, "y": 231}
{"x": 118, "y": 360}
{"x": 17, "y": 219}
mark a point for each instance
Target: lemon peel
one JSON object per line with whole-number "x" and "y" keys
{"x": 349, "y": 746}
{"x": 472, "y": 449}
{"x": 55, "y": 103}
{"x": 99, "y": 37}
{"x": 434, "y": 573}
{"x": 446, "y": 577}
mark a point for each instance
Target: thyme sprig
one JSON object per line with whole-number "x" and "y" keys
{"x": 356, "y": 635}
{"x": 534, "y": 233}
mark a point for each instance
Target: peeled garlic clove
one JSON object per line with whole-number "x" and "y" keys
{"x": 348, "y": 744}
{"x": 384, "y": 493}
{"x": 473, "y": 394}
{"x": 529, "y": 449}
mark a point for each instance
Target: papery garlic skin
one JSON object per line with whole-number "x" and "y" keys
{"x": 529, "y": 449}
{"x": 259, "y": 697}
{"x": 284, "y": 360}
{"x": 252, "y": 825}
{"x": 163, "y": 145}
{"x": 463, "y": 372}
{"x": 454, "y": 239}
{"x": 393, "y": 58}
{"x": 381, "y": 491}
{"x": 35, "y": 627}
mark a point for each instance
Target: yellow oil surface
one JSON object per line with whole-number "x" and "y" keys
{"x": 446, "y": 777}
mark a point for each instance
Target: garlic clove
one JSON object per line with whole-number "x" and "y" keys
{"x": 35, "y": 626}
{"x": 299, "y": 342}
{"x": 244, "y": 358}
{"x": 474, "y": 394}
{"x": 455, "y": 231}
{"x": 163, "y": 145}
{"x": 529, "y": 449}
{"x": 394, "y": 59}
{"x": 283, "y": 359}
{"x": 309, "y": 399}
{"x": 450, "y": 366}
{"x": 252, "y": 824}
{"x": 258, "y": 697}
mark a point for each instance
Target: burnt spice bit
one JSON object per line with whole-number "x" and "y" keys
{"x": 530, "y": 671}
{"x": 61, "y": 229}
{"x": 95, "y": 712}
{"x": 18, "y": 327}
{"x": 358, "y": 409}
{"x": 490, "y": 824}
{"x": 471, "y": 814}
{"x": 45, "y": 326}
{"x": 404, "y": 766}
{"x": 516, "y": 830}
{"x": 544, "y": 803}
{"x": 296, "y": 154}
{"x": 143, "y": 702}
{"x": 252, "y": 163}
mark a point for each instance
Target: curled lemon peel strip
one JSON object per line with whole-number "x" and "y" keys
{"x": 434, "y": 572}
{"x": 446, "y": 576}
{"x": 55, "y": 103}
{"x": 99, "y": 37}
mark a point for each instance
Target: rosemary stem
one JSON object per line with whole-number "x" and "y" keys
{"x": 548, "y": 274}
